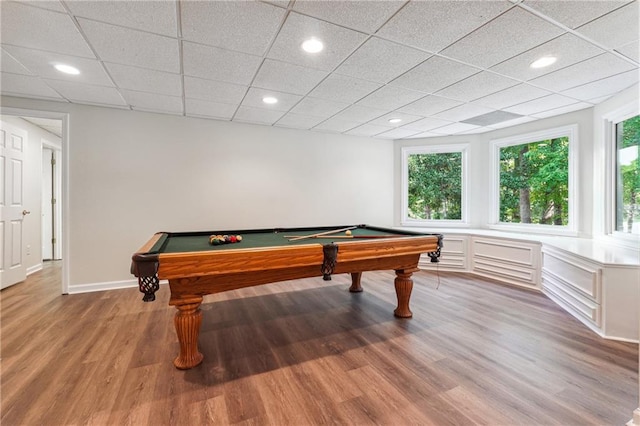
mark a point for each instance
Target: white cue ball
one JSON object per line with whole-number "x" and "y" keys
{"x": 348, "y": 232}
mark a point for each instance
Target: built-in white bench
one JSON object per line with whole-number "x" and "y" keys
{"x": 597, "y": 283}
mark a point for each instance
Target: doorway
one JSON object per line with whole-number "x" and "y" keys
{"x": 49, "y": 228}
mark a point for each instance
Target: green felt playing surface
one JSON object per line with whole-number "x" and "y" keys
{"x": 188, "y": 242}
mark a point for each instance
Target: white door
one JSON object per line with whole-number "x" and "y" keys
{"x": 12, "y": 144}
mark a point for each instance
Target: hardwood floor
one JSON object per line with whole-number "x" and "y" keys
{"x": 309, "y": 352}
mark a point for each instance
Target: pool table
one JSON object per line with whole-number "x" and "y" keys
{"x": 195, "y": 267}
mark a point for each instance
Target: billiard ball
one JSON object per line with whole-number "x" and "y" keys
{"x": 348, "y": 232}
{"x": 239, "y": 238}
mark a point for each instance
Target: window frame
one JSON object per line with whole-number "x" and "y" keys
{"x": 406, "y": 151}
{"x": 610, "y": 122}
{"x": 571, "y": 229}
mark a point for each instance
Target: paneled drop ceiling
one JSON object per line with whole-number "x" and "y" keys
{"x": 440, "y": 67}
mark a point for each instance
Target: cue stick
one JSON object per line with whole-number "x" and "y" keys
{"x": 319, "y": 234}
{"x": 347, "y": 236}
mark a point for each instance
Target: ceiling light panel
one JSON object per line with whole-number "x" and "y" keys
{"x": 444, "y": 23}
{"x": 339, "y": 42}
{"x": 213, "y": 63}
{"x": 516, "y": 30}
{"x": 256, "y": 98}
{"x": 131, "y": 47}
{"x": 157, "y": 17}
{"x": 381, "y": 61}
{"x": 27, "y": 26}
{"x": 40, "y": 62}
{"x": 289, "y": 78}
{"x": 568, "y": 48}
{"x": 245, "y": 26}
{"x": 365, "y": 16}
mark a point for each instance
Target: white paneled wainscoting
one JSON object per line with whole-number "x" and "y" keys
{"x": 597, "y": 283}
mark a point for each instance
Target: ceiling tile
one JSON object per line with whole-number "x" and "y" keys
{"x": 153, "y": 102}
{"x": 26, "y": 86}
{"x": 381, "y": 61}
{"x": 319, "y": 107}
{"x": 404, "y": 119}
{"x": 368, "y": 130}
{"x": 339, "y": 42}
{"x": 398, "y": 133}
{"x": 563, "y": 110}
{"x": 631, "y": 50}
{"x": 41, "y": 63}
{"x": 360, "y": 114}
{"x": 425, "y": 135}
{"x": 434, "y": 74}
{"x": 343, "y": 88}
{"x": 513, "y": 122}
{"x": 433, "y": 25}
{"x": 476, "y": 86}
{"x": 573, "y": 13}
{"x": 153, "y": 16}
{"x": 512, "y": 96}
{"x": 287, "y": 77}
{"x": 48, "y": 4}
{"x": 336, "y": 125}
{"x": 454, "y": 128}
{"x": 145, "y": 80}
{"x": 541, "y": 104}
{"x": 568, "y": 48}
{"x": 200, "y": 108}
{"x": 605, "y": 87}
{"x": 84, "y": 93}
{"x": 285, "y": 100}
{"x": 389, "y": 97}
{"x": 508, "y": 35}
{"x": 365, "y": 16}
{"x": 624, "y": 20}
{"x": 246, "y": 26}
{"x": 215, "y": 91}
{"x": 10, "y": 65}
{"x": 219, "y": 64}
{"x": 427, "y": 124}
{"x": 298, "y": 121}
{"x": 462, "y": 112}
{"x": 131, "y": 47}
{"x": 584, "y": 72}
{"x": 429, "y": 106}
{"x": 27, "y": 26}
{"x": 257, "y": 115}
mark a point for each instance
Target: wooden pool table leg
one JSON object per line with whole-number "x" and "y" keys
{"x": 355, "y": 282}
{"x": 187, "y": 322}
{"x": 404, "y": 286}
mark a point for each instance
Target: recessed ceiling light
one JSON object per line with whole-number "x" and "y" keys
{"x": 545, "y": 61}
{"x": 67, "y": 69}
{"x": 395, "y": 120}
{"x": 269, "y": 100}
{"x": 313, "y": 45}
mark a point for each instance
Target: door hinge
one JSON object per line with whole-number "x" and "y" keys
{"x": 53, "y": 161}
{"x": 53, "y": 241}
{"x": 53, "y": 201}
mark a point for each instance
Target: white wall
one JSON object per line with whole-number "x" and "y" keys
{"x": 479, "y": 165}
{"x": 33, "y": 189}
{"x": 132, "y": 174}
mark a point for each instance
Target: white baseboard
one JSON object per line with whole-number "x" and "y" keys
{"x": 34, "y": 268}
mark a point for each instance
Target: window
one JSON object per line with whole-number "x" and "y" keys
{"x": 627, "y": 176}
{"x": 434, "y": 184}
{"x": 534, "y": 177}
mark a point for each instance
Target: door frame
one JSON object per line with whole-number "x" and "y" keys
{"x": 64, "y": 195}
